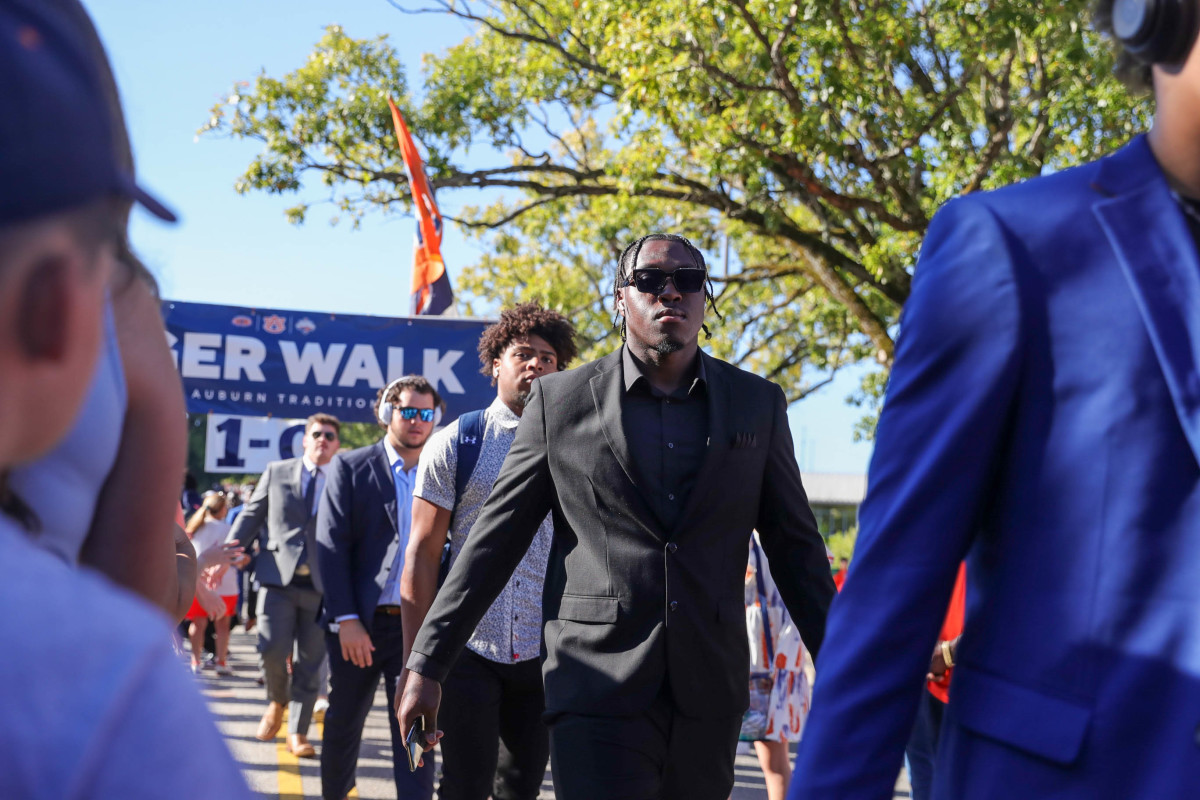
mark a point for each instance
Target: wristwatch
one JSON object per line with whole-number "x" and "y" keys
{"x": 946, "y": 657}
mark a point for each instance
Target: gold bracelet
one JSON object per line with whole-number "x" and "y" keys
{"x": 946, "y": 657}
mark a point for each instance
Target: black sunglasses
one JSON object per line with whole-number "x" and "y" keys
{"x": 409, "y": 413}
{"x": 653, "y": 280}
{"x": 329, "y": 435}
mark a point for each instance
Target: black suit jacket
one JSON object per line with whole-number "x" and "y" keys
{"x": 357, "y": 534}
{"x": 628, "y": 603}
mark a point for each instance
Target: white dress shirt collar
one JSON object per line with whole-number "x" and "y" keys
{"x": 393, "y": 455}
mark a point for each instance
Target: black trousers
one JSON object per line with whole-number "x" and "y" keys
{"x": 496, "y": 744}
{"x": 657, "y": 755}
{"x": 351, "y": 694}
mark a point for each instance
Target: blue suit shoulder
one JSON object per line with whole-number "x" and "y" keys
{"x": 1041, "y": 209}
{"x": 359, "y": 455}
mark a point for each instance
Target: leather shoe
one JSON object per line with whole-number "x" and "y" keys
{"x": 271, "y": 720}
{"x": 299, "y": 746}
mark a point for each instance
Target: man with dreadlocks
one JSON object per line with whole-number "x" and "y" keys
{"x": 656, "y": 463}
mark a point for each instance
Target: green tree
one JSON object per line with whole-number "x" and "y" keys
{"x": 812, "y": 138}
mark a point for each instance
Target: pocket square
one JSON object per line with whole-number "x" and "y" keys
{"x": 744, "y": 439}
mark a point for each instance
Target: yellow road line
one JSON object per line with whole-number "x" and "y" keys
{"x": 290, "y": 787}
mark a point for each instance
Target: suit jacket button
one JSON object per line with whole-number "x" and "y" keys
{"x": 672, "y": 547}
{"x": 674, "y": 604}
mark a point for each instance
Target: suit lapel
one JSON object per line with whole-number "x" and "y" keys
{"x": 1154, "y": 247}
{"x": 607, "y": 391}
{"x": 381, "y": 469}
{"x": 710, "y": 477}
{"x": 297, "y": 480}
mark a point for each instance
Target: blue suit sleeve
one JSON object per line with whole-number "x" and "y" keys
{"x": 938, "y": 446}
{"x": 336, "y": 539}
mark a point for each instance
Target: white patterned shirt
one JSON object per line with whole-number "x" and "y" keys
{"x": 511, "y": 630}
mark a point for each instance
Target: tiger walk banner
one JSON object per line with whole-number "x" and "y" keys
{"x": 280, "y": 363}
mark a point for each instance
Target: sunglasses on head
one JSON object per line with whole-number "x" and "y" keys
{"x": 409, "y": 413}
{"x": 653, "y": 280}
{"x": 329, "y": 435}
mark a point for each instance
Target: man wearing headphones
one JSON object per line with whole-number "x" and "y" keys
{"x": 362, "y": 529}
{"x": 1042, "y": 420}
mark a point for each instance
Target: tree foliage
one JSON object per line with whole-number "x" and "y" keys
{"x": 815, "y": 139}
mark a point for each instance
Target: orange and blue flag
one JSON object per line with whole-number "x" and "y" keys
{"x": 431, "y": 292}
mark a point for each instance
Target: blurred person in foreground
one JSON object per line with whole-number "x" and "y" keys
{"x": 106, "y": 496}
{"x": 362, "y": 529}
{"x": 1043, "y": 421}
{"x": 493, "y": 701}
{"x": 657, "y": 462}
{"x": 131, "y": 725}
{"x": 282, "y": 516}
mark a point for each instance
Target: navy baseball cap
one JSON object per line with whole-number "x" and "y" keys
{"x": 56, "y": 147}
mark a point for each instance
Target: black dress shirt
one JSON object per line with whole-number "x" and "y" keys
{"x": 667, "y": 434}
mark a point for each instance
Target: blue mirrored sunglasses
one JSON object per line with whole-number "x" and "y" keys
{"x": 409, "y": 413}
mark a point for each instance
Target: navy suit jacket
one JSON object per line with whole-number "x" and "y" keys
{"x": 357, "y": 534}
{"x": 1043, "y": 419}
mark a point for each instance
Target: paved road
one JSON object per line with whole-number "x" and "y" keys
{"x": 272, "y": 772}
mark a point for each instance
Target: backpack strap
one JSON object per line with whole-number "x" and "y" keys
{"x": 470, "y": 442}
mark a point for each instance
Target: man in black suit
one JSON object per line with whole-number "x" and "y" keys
{"x": 657, "y": 462}
{"x": 362, "y": 531}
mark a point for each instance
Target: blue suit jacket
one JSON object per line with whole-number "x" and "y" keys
{"x": 1043, "y": 419}
{"x": 357, "y": 534}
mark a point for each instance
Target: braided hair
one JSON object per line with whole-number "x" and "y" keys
{"x": 628, "y": 259}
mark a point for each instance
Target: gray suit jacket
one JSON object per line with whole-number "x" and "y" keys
{"x": 628, "y": 603}
{"x": 277, "y": 509}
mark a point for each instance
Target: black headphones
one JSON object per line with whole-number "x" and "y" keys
{"x": 1156, "y": 31}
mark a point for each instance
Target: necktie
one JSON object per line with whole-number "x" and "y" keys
{"x": 310, "y": 498}
{"x": 310, "y": 493}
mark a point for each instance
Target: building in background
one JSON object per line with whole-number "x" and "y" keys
{"x": 834, "y": 498}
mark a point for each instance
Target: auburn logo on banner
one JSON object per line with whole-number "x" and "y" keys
{"x": 431, "y": 292}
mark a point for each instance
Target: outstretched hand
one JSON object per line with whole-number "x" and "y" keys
{"x": 220, "y": 555}
{"x": 418, "y": 696}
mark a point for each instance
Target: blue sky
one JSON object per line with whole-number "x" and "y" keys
{"x": 174, "y": 60}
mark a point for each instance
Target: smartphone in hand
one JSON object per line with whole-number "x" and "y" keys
{"x": 414, "y": 743}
